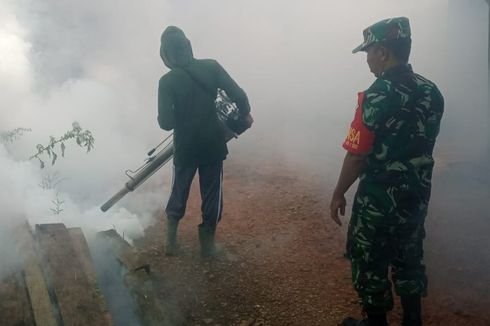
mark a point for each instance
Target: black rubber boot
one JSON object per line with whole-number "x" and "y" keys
{"x": 171, "y": 236}
{"x": 206, "y": 238}
{"x": 349, "y": 321}
{"x": 412, "y": 310}
{"x": 372, "y": 320}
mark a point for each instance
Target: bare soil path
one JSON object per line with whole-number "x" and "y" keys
{"x": 283, "y": 261}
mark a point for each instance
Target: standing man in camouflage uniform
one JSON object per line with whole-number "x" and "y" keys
{"x": 389, "y": 148}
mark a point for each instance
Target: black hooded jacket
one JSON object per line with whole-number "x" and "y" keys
{"x": 187, "y": 107}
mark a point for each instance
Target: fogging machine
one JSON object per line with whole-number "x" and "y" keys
{"x": 233, "y": 124}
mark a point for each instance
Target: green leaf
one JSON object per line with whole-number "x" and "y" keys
{"x": 76, "y": 127}
{"x": 83, "y": 138}
{"x": 11, "y": 136}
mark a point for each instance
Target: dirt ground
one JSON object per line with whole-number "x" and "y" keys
{"x": 283, "y": 261}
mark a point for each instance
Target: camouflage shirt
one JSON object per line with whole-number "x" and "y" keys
{"x": 403, "y": 110}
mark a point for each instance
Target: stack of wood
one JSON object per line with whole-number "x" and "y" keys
{"x": 58, "y": 282}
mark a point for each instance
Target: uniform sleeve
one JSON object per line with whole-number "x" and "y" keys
{"x": 234, "y": 92}
{"x": 375, "y": 107}
{"x": 360, "y": 139}
{"x": 166, "y": 114}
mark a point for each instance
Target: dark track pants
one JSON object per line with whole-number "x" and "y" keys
{"x": 211, "y": 186}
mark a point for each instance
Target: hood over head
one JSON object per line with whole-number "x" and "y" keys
{"x": 175, "y": 49}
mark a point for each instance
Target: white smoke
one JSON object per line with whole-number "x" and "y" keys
{"x": 55, "y": 69}
{"x": 98, "y": 63}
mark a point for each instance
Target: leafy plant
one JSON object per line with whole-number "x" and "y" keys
{"x": 51, "y": 180}
{"x": 83, "y": 138}
{"x": 58, "y": 205}
{"x": 53, "y": 149}
{"x": 12, "y": 135}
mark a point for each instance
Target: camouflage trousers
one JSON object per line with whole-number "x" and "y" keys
{"x": 381, "y": 240}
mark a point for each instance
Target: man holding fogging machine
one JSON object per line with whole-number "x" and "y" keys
{"x": 186, "y": 104}
{"x": 389, "y": 148}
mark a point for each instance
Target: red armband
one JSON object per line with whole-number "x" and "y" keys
{"x": 360, "y": 139}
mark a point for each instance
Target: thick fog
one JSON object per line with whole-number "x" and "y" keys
{"x": 98, "y": 63}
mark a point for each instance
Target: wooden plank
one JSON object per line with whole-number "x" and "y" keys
{"x": 37, "y": 289}
{"x": 24, "y": 299}
{"x": 75, "y": 295}
{"x": 81, "y": 247}
{"x": 138, "y": 279}
{"x": 14, "y": 303}
{"x": 83, "y": 252}
{"x": 123, "y": 251}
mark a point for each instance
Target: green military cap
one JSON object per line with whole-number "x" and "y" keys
{"x": 385, "y": 30}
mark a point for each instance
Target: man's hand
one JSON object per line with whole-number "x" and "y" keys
{"x": 337, "y": 204}
{"x": 351, "y": 169}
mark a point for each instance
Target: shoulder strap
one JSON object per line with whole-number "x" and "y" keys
{"x": 201, "y": 84}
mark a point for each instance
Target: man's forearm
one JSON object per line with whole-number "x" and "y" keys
{"x": 165, "y": 124}
{"x": 351, "y": 169}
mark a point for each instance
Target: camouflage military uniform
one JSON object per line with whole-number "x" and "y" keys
{"x": 403, "y": 110}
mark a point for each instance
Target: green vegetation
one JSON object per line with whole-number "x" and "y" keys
{"x": 83, "y": 138}
{"x": 11, "y": 136}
